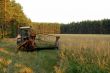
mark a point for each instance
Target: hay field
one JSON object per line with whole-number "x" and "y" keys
{"x": 84, "y": 41}
{"x": 82, "y": 53}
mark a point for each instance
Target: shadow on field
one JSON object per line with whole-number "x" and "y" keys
{"x": 47, "y": 48}
{"x": 40, "y": 49}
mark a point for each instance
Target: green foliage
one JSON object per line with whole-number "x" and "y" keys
{"x": 11, "y": 17}
{"x": 87, "y": 27}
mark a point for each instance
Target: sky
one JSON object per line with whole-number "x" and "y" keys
{"x": 65, "y": 11}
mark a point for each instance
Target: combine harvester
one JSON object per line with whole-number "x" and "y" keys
{"x": 28, "y": 40}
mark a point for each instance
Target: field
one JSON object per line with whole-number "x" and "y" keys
{"x": 84, "y": 54}
{"x": 78, "y": 53}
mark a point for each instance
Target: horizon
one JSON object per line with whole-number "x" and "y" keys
{"x": 65, "y": 11}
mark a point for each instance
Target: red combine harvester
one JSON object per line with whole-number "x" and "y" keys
{"x": 28, "y": 40}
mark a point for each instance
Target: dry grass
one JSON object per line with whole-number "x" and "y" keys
{"x": 84, "y": 54}
{"x": 84, "y": 41}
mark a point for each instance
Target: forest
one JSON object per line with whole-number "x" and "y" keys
{"x": 87, "y": 27}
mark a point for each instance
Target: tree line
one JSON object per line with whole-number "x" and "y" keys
{"x": 46, "y": 28}
{"x": 87, "y": 27}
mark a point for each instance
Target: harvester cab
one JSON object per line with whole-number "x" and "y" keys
{"x": 26, "y": 38}
{"x": 23, "y": 34}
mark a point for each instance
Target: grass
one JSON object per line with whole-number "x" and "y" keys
{"x": 29, "y": 62}
{"x": 41, "y": 62}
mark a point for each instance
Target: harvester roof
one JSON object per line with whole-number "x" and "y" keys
{"x": 25, "y": 27}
